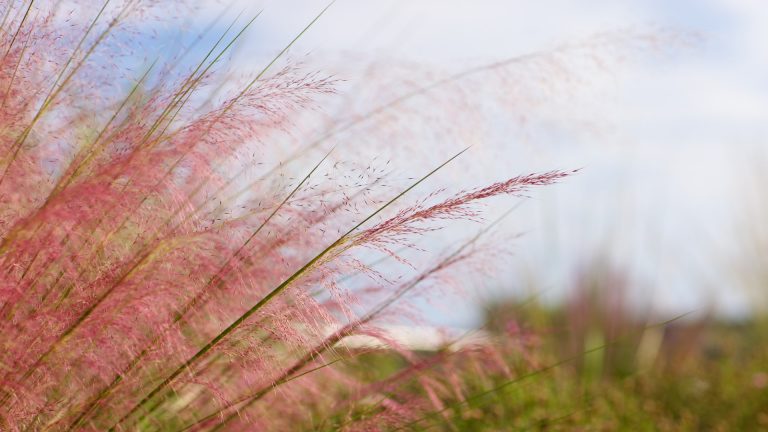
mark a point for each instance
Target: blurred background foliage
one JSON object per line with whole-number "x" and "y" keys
{"x": 593, "y": 363}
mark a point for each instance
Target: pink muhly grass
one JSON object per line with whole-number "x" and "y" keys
{"x": 145, "y": 283}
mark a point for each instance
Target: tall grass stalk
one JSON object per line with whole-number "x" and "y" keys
{"x": 147, "y": 284}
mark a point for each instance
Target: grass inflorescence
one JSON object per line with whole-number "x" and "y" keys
{"x": 161, "y": 269}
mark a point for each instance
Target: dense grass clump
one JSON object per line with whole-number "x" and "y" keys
{"x": 163, "y": 266}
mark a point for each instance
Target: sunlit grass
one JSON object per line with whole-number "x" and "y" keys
{"x": 146, "y": 286}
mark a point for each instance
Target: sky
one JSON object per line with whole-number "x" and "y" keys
{"x": 670, "y": 139}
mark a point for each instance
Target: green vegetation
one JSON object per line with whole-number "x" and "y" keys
{"x": 683, "y": 375}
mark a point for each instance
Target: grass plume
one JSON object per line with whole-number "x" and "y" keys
{"x": 144, "y": 285}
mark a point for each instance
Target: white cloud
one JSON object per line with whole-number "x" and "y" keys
{"x": 676, "y": 116}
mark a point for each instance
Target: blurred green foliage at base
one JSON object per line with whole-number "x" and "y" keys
{"x": 585, "y": 367}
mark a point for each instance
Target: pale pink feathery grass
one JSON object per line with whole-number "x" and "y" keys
{"x": 145, "y": 284}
